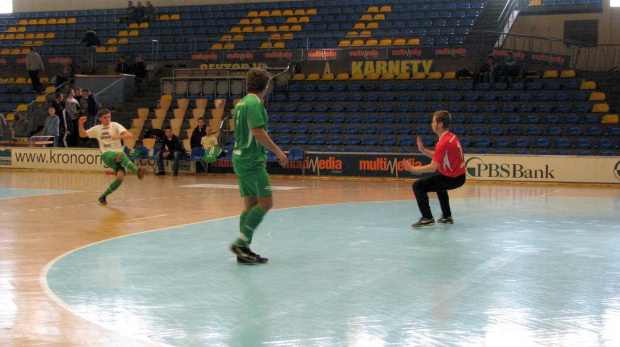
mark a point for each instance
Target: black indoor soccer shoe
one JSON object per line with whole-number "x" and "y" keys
{"x": 445, "y": 220}
{"x": 423, "y": 222}
{"x": 102, "y": 200}
{"x": 246, "y": 256}
{"x": 255, "y": 260}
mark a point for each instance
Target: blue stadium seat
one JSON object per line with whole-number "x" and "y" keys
{"x": 573, "y": 131}
{"x": 494, "y": 119}
{"x": 371, "y": 118}
{"x": 532, "y": 119}
{"x": 386, "y": 129}
{"x": 458, "y": 130}
{"x": 321, "y": 118}
{"x": 495, "y": 131}
{"x": 533, "y": 131}
{"x": 354, "y": 118}
{"x": 334, "y": 129}
{"x": 603, "y": 143}
{"x": 408, "y": 141}
{"x": 593, "y": 131}
{"x": 514, "y": 131}
{"x": 501, "y": 142}
{"x": 368, "y": 129}
{"x": 335, "y": 140}
{"x": 476, "y": 130}
{"x": 300, "y": 140}
{"x": 564, "y": 152}
{"x": 482, "y": 142}
{"x": 388, "y": 118}
{"x": 370, "y": 141}
{"x": 521, "y": 143}
{"x": 553, "y": 131}
{"x": 561, "y": 143}
{"x": 317, "y": 140}
{"x": 403, "y": 129}
{"x": 582, "y": 143}
{"x": 541, "y": 143}
{"x": 350, "y": 129}
{"x": 388, "y": 141}
{"x": 300, "y": 129}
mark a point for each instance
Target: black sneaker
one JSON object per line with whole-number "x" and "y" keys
{"x": 423, "y": 222}
{"x": 245, "y": 254}
{"x": 141, "y": 173}
{"x": 102, "y": 200}
{"x": 160, "y": 173}
{"x": 445, "y": 220}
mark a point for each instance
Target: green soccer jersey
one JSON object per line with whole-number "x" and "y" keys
{"x": 249, "y": 113}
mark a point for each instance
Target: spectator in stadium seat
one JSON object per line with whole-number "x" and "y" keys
{"x": 199, "y": 131}
{"x": 510, "y": 69}
{"x": 122, "y": 67}
{"x": 51, "y": 125}
{"x": 175, "y": 152}
{"x": 66, "y": 72}
{"x": 138, "y": 13}
{"x": 447, "y": 158}
{"x": 34, "y": 65}
{"x": 129, "y": 12}
{"x": 149, "y": 12}
{"x": 22, "y": 126}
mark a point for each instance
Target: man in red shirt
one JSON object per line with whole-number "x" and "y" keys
{"x": 447, "y": 158}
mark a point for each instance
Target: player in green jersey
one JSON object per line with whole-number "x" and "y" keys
{"x": 249, "y": 158}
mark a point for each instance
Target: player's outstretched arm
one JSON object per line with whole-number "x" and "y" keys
{"x": 261, "y": 136}
{"x": 81, "y": 122}
{"x": 123, "y": 136}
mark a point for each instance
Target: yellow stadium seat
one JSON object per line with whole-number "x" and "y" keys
{"x": 20, "y": 36}
{"x": 229, "y": 46}
{"x": 568, "y": 74}
{"x": 123, "y": 41}
{"x": 225, "y": 38}
{"x": 284, "y": 28}
{"x": 29, "y": 36}
{"x": 299, "y": 12}
{"x": 287, "y": 36}
{"x": 357, "y": 76}
{"x": 274, "y": 37}
{"x": 247, "y": 30}
{"x": 39, "y": 36}
{"x": 253, "y": 14}
{"x": 373, "y": 9}
{"x": 235, "y": 30}
{"x": 10, "y": 117}
{"x": 388, "y": 76}
{"x": 163, "y": 17}
{"x": 216, "y": 46}
{"x": 25, "y": 51}
{"x": 276, "y": 13}
{"x": 450, "y": 75}
{"x": 313, "y": 77}
{"x": 264, "y": 13}
{"x": 550, "y": 74}
{"x": 26, "y": 43}
{"x": 279, "y": 44}
{"x": 299, "y": 77}
{"x": 413, "y": 42}
{"x": 37, "y": 43}
{"x": 2, "y": 37}
{"x": 123, "y": 33}
{"x": 244, "y": 21}
{"x": 144, "y": 25}
{"x": 112, "y": 49}
{"x": 62, "y": 21}
{"x": 22, "y": 22}
{"x": 365, "y": 33}
{"x": 352, "y": 34}
{"x": 597, "y": 96}
{"x": 610, "y": 119}
{"x": 372, "y": 76}
{"x": 599, "y": 108}
{"x": 175, "y": 16}
{"x": 9, "y": 36}
{"x": 22, "y": 107}
{"x": 371, "y": 42}
{"x": 372, "y": 25}
{"x": 296, "y": 27}
{"x": 359, "y": 26}
{"x": 436, "y": 75}
{"x": 328, "y": 77}
{"x": 291, "y": 20}
{"x": 238, "y": 37}
{"x": 71, "y": 20}
{"x": 271, "y": 28}
{"x": 385, "y": 42}
{"x": 311, "y": 11}
{"x": 5, "y": 51}
{"x": 111, "y": 42}
{"x": 133, "y": 26}
{"x": 49, "y": 35}
{"x": 32, "y": 22}
{"x": 265, "y": 45}
{"x": 100, "y": 49}
{"x": 418, "y": 76}
{"x": 304, "y": 19}
{"x": 259, "y": 29}
{"x": 256, "y": 21}
{"x": 588, "y": 85}
{"x": 11, "y": 29}
{"x": 16, "y": 51}
{"x": 42, "y": 21}
{"x": 357, "y": 43}
{"x": 40, "y": 98}
{"x": 287, "y": 12}
{"x": 385, "y": 9}
{"x": 378, "y": 16}
{"x": 403, "y": 76}
{"x": 366, "y": 17}
{"x": 343, "y": 76}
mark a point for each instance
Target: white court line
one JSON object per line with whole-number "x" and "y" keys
{"x": 159, "y": 215}
{"x": 555, "y": 191}
{"x": 234, "y": 186}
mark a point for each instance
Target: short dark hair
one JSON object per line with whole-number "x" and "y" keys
{"x": 166, "y": 128}
{"x": 256, "y": 80}
{"x": 104, "y": 111}
{"x": 444, "y": 117}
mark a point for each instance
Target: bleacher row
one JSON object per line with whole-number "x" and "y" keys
{"x": 552, "y": 116}
{"x": 16, "y": 94}
{"x": 562, "y": 2}
{"x": 194, "y": 28}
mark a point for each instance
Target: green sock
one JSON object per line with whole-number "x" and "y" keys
{"x": 127, "y": 163}
{"x": 113, "y": 186}
{"x": 252, "y": 220}
{"x": 240, "y": 241}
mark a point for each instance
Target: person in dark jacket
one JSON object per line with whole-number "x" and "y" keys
{"x": 198, "y": 133}
{"x": 91, "y": 41}
{"x": 175, "y": 152}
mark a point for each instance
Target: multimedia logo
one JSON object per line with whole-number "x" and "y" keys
{"x": 5, "y": 157}
{"x": 477, "y": 168}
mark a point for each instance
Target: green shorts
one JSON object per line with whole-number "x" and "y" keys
{"x": 109, "y": 159}
{"x": 255, "y": 183}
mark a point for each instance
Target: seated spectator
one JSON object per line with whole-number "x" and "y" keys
{"x": 122, "y": 67}
{"x": 510, "y": 68}
{"x": 479, "y": 70}
{"x": 198, "y": 133}
{"x": 129, "y": 13}
{"x": 175, "y": 152}
{"x": 149, "y": 12}
{"x": 5, "y": 131}
{"x": 51, "y": 125}
{"x": 22, "y": 126}
{"x": 209, "y": 140}
{"x": 490, "y": 69}
{"x": 138, "y": 13}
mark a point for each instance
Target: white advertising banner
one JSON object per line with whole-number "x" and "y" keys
{"x": 543, "y": 168}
